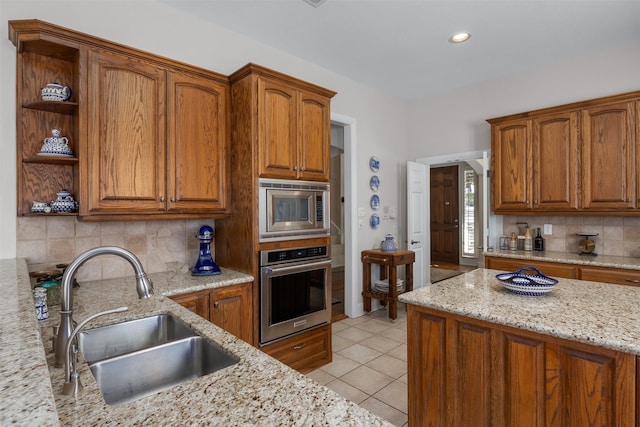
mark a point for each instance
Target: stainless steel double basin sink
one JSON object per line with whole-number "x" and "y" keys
{"x": 137, "y": 358}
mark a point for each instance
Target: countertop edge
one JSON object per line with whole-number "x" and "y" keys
{"x": 258, "y": 390}
{"x": 610, "y": 261}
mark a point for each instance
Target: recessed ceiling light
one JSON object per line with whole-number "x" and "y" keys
{"x": 315, "y": 3}
{"x": 459, "y": 38}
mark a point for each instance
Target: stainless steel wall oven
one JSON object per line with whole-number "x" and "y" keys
{"x": 295, "y": 291}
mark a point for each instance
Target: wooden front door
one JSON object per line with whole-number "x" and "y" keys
{"x": 444, "y": 215}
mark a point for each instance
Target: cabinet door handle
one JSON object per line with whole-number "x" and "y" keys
{"x": 173, "y": 200}
{"x": 298, "y": 347}
{"x": 162, "y": 199}
{"x": 302, "y": 169}
{"x": 295, "y": 168}
{"x": 216, "y": 304}
{"x": 632, "y": 280}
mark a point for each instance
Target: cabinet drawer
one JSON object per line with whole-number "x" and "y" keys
{"x": 553, "y": 269}
{"x": 198, "y": 302}
{"x": 611, "y": 275}
{"x": 303, "y": 352}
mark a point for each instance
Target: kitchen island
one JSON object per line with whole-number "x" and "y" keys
{"x": 258, "y": 390}
{"x": 480, "y": 355}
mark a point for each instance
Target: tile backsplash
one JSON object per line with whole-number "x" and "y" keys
{"x": 617, "y": 236}
{"x": 47, "y": 241}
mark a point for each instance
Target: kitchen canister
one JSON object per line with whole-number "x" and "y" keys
{"x": 40, "y": 299}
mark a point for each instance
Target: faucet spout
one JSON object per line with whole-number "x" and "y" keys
{"x": 144, "y": 287}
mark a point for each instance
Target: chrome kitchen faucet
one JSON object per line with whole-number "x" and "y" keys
{"x": 144, "y": 286}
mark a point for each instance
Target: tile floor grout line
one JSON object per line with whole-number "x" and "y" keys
{"x": 380, "y": 387}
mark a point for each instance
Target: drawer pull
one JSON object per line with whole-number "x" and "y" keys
{"x": 632, "y": 280}
{"x": 367, "y": 259}
{"x": 298, "y": 347}
{"x": 216, "y": 304}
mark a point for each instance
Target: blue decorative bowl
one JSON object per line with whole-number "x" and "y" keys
{"x": 527, "y": 284}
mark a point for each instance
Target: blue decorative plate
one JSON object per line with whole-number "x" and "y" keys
{"x": 374, "y": 182}
{"x": 374, "y": 221}
{"x": 374, "y": 164}
{"x": 375, "y": 202}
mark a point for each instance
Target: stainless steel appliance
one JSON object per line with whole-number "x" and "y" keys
{"x": 295, "y": 291}
{"x": 290, "y": 210}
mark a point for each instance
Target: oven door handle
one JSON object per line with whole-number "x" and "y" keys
{"x": 297, "y": 267}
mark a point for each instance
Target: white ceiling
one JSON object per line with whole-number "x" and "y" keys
{"x": 401, "y": 47}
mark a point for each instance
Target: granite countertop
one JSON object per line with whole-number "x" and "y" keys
{"x": 258, "y": 390}
{"x": 599, "y": 314}
{"x": 571, "y": 258}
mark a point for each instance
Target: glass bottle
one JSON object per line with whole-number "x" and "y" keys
{"x": 513, "y": 242}
{"x": 538, "y": 242}
{"x": 528, "y": 240}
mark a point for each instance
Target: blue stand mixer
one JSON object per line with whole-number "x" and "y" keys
{"x": 205, "y": 266}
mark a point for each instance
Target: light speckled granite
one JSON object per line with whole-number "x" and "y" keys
{"x": 595, "y": 313}
{"x": 26, "y": 395}
{"x": 256, "y": 391}
{"x": 572, "y": 258}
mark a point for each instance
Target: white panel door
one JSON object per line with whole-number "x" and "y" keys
{"x": 417, "y": 222}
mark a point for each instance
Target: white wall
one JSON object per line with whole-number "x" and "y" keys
{"x": 160, "y": 29}
{"x": 455, "y": 122}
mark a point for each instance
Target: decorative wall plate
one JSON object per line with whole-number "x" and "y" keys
{"x": 374, "y": 164}
{"x": 374, "y": 182}
{"x": 375, "y": 202}
{"x": 374, "y": 221}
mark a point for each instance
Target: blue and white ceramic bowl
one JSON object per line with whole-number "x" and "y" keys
{"x": 527, "y": 284}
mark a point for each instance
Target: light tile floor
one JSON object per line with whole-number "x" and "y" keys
{"x": 370, "y": 364}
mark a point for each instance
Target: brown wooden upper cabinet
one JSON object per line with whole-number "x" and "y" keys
{"x": 609, "y": 157}
{"x": 579, "y": 158}
{"x": 293, "y": 124}
{"x": 511, "y": 157}
{"x": 150, "y": 135}
{"x": 157, "y": 139}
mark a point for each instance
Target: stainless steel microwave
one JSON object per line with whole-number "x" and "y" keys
{"x": 290, "y": 210}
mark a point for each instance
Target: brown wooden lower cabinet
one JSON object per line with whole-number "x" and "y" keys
{"x": 229, "y": 307}
{"x": 618, "y": 276}
{"x": 467, "y": 372}
{"x": 303, "y": 352}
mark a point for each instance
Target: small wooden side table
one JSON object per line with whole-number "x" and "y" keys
{"x": 389, "y": 262}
